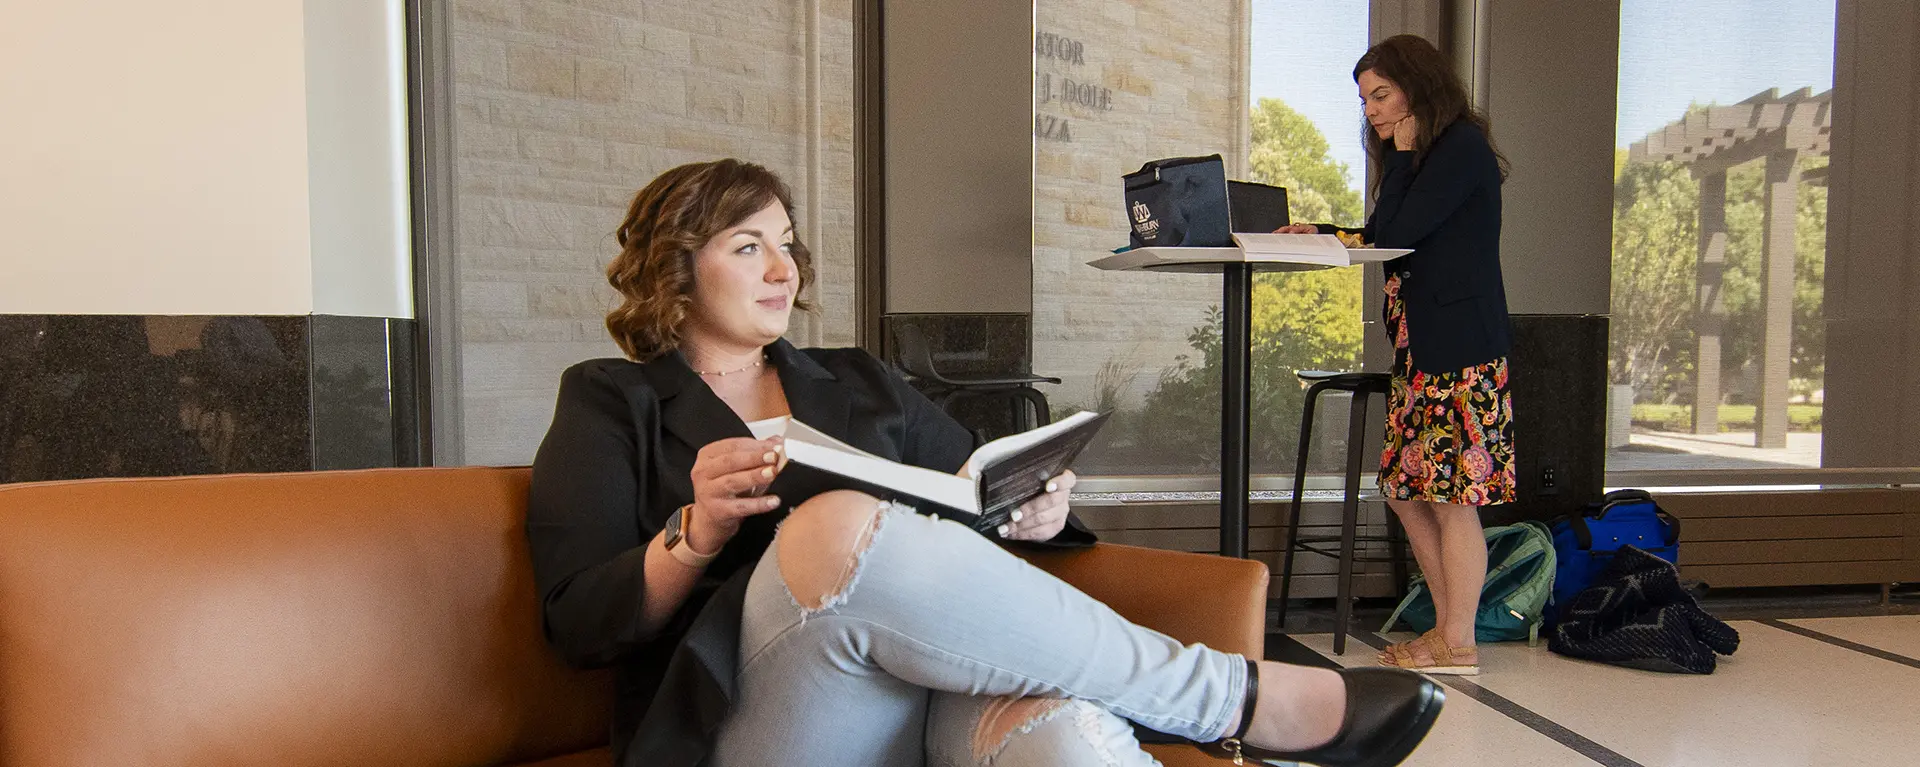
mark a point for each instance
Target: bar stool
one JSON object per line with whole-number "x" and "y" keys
{"x": 914, "y": 355}
{"x": 1362, "y": 386}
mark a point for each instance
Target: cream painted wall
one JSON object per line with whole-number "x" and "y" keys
{"x": 155, "y": 160}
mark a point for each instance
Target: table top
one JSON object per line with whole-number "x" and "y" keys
{"x": 1214, "y": 260}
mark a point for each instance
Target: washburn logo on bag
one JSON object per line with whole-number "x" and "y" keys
{"x": 1143, "y": 222}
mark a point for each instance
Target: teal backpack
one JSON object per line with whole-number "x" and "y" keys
{"x": 1520, "y": 567}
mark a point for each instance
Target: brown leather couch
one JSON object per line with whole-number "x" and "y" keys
{"x": 361, "y": 618}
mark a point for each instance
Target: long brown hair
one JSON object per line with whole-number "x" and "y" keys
{"x": 1434, "y": 93}
{"x": 668, "y": 222}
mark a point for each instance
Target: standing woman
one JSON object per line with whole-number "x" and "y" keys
{"x": 1449, "y": 436}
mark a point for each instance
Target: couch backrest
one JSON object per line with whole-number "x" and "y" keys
{"x": 369, "y": 617}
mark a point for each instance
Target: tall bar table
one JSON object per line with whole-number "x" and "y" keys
{"x": 1236, "y": 268}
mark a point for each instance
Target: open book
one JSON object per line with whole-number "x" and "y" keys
{"x": 1325, "y": 249}
{"x": 1000, "y": 476}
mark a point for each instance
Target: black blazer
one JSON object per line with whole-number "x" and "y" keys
{"x": 616, "y": 463}
{"x": 1448, "y": 212}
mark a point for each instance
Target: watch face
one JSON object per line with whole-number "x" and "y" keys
{"x": 673, "y": 530}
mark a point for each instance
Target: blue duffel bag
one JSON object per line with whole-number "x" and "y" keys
{"x": 1585, "y": 544}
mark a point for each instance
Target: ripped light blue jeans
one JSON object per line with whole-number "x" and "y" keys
{"x": 942, "y": 649}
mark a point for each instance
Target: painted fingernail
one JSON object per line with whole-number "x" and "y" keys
{"x": 1017, "y": 515}
{"x": 1003, "y": 531}
{"x": 1053, "y": 487}
{"x": 766, "y": 473}
{"x": 770, "y": 457}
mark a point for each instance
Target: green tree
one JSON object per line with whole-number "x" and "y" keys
{"x": 1301, "y": 320}
{"x": 1289, "y": 151}
{"x": 1655, "y": 247}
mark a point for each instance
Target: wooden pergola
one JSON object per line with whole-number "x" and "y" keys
{"x": 1711, "y": 141}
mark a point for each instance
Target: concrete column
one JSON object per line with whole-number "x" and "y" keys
{"x": 1873, "y": 246}
{"x": 960, "y": 137}
{"x": 1776, "y": 297}
{"x": 1711, "y": 310}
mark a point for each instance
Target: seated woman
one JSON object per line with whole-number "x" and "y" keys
{"x": 755, "y": 617}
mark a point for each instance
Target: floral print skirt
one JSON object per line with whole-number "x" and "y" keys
{"x": 1450, "y": 435}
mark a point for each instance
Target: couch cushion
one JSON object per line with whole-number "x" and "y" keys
{"x": 1216, "y": 601}
{"x": 367, "y": 618}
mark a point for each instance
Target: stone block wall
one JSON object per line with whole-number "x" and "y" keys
{"x": 1118, "y": 84}
{"x": 565, "y": 109}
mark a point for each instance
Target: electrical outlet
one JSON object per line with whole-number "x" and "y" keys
{"x": 1549, "y": 481}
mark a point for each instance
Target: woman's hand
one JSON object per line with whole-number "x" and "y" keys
{"x": 729, "y": 479}
{"x": 1298, "y": 229}
{"x": 1043, "y": 517}
{"x": 1406, "y": 133}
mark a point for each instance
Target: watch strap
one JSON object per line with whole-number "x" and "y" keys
{"x": 681, "y": 549}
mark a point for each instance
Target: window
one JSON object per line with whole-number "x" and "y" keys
{"x": 1120, "y": 84}
{"x": 1718, "y": 357}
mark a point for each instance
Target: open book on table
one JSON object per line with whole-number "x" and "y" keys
{"x": 1323, "y": 249}
{"x": 1001, "y": 475}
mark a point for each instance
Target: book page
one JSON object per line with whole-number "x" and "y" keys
{"x": 769, "y": 427}
{"x": 1304, "y": 248}
{"x": 796, "y": 431}
{"x": 812, "y": 447}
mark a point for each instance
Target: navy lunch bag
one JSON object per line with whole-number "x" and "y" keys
{"x": 1179, "y": 202}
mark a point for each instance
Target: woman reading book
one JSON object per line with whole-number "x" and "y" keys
{"x": 1449, "y": 435}
{"x": 759, "y": 617}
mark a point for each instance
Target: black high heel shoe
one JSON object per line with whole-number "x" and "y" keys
{"x": 1389, "y": 711}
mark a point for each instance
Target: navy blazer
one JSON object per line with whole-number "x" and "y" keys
{"x": 1448, "y": 212}
{"x": 617, "y": 462}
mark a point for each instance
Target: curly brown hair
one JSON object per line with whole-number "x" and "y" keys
{"x": 668, "y": 223}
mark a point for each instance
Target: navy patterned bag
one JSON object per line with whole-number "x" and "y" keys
{"x": 1636, "y": 614}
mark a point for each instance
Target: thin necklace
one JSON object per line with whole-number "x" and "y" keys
{"x": 723, "y": 373}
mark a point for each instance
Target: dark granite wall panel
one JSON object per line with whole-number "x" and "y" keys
{"x": 104, "y": 396}
{"x": 1558, "y": 371}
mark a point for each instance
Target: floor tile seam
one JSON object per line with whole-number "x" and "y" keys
{"x": 1846, "y": 644}
{"x": 1555, "y": 731}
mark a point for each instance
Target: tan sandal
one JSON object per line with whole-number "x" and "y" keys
{"x": 1441, "y": 657}
{"x": 1400, "y": 649}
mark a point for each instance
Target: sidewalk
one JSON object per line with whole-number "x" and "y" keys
{"x": 1666, "y": 450}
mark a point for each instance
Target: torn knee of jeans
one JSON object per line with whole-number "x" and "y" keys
{"x": 822, "y": 577}
{"x": 1004, "y": 718}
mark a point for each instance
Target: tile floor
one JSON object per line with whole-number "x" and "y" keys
{"x": 1800, "y": 691}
